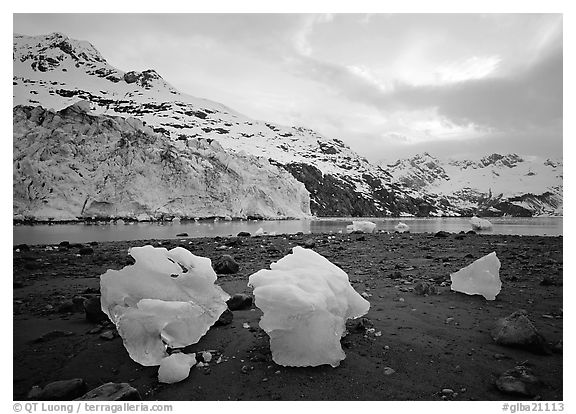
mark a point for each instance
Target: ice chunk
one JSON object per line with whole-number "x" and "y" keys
{"x": 176, "y": 367}
{"x": 306, "y": 301}
{"x": 479, "y": 278}
{"x": 166, "y": 299}
{"x": 480, "y": 224}
{"x": 402, "y": 227}
{"x": 363, "y": 226}
{"x": 259, "y": 232}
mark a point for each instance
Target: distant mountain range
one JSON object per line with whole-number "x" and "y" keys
{"x": 494, "y": 185}
{"x": 53, "y": 72}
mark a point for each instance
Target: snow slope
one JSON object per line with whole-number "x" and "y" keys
{"x": 55, "y": 71}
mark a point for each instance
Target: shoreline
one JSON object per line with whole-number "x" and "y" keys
{"x": 431, "y": 342}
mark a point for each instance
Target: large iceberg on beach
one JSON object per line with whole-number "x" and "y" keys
{"x": 480, "y": 224}
{"x": 363, "y": 226}
{"x": 167, "y": 299}
{"x": 305, "y": 300}
{"x": 482, "y": 277}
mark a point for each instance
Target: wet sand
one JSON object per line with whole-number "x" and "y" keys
{"x": 431, "y": 342}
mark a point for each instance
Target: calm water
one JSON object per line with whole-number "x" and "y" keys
{"x": 81, "y": 233}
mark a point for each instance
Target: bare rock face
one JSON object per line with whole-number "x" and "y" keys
{"x": 518, "y": 331}
{"x": 112, "y": 391}
{"x": 519, "y": 380}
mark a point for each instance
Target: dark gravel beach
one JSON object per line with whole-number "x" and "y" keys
{"x": 409, "y": 346}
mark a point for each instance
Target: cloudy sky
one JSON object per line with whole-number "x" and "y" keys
{"x": 389, "y": 85}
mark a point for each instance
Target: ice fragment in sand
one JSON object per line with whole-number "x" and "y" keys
{"x": 306, "y": 301}
{"x": 176, "y": 367}
{"x": 480, "y": 224}
{"x": 363, "y": 226}
{"x": 479, "y": 278}
{"x": 402, "y": 227}
{"x": 166, "y": 299}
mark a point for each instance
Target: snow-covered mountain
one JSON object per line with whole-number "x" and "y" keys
{"x": 54, "y": 71}
{"x": 494, "y": 185}
{"x": 71, "y": 164}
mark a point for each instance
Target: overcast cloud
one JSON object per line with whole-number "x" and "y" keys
{"x": 388, "y": 85}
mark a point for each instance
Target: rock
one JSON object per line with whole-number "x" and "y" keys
{"x": 470, "y": 232}
{"x": 243, "y": 234}
{"x": 93, "y": 310}
{"x": 84, "y": 251}
{"x": 64, "y": 243}
{"x": 93, "y": 243}
{"x": 558, "y": 347}
{"x": 225, "y": 265}
{"x": 22, "y": 247}
{"x": 359, "y": 325}
{"x": 182, "y": 235}
{"x": 225, "y": 318}
{"x": 59, "y": 390}
{"x": 112, "y": 391}
{"x": 233, "y": 242}
{"x": 518, "y": 380}
{"x": 442, "y": 234}
{"x": 52, "y": 335}
{"x": 425, "y": 288}
{"x": 518, "y": 331}
{"x": 109, "y": 335}
{"x": 74, "y": 305}
{"x": 310, "y": 243}
{"x": 18, "y": 284}
{"x": 548, "y": 280}
{"x": 239, "y": 301}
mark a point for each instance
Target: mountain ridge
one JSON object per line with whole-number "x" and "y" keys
{"x": 55, "y": 72}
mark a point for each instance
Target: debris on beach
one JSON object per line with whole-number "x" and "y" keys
{"x": 306, "y": 301}
{"x": 518, "y": 380}
{"x": 479, "y": 278}
{"x": 480, "y": 224}
{"x": 167, "y": 299}
{"x": 402, "y": 227}
{"x": 362, "y": 226}
{"x": 112, "y": 391}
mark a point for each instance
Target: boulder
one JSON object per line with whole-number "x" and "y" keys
{"x": 519, "y": 380}
{"x": 225, "y": 265}
{"x": 59, "y": 390}
{"x": 517, "y": 330}
{"x": 93, "y": 310}
{"x": 239, "y": 301}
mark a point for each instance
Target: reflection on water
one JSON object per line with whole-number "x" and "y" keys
{"x": 81, "y": 233}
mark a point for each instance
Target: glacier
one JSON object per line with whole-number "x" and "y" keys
{"x": 482, "y": 277}
{"x": 166, "y": 299}
{"x": 306, "y": 301}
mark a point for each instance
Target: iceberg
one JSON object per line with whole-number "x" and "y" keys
{"x": 306, "y": 301}
{"x": 363, "y": 226}
{"x": 402, "y": 227}
{"x": 479, "y": 278}
{"x": 167, "y": 299}
{"x": 176, "y": 367}
{"x": 480, "y": 224}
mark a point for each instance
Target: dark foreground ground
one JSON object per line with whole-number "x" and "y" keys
{"x": 431, "y": 342}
